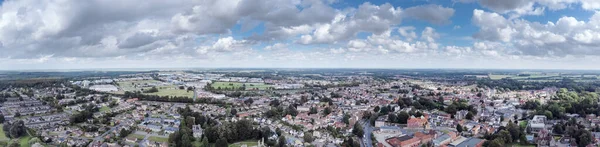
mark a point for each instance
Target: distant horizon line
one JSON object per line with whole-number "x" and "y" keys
{"x": 221, "y": 68}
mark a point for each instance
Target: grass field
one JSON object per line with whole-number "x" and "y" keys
{"x": 248, "y": 143}
{"x": 498, "y": 77}
{"x": 172, "y": 91}
{"x": 163, "y": 89}
{"x": 136, "y": 85}
{"x": 3, "y": 139}
{"x": 138, "y": 136}
{"x": 158, "y": 139}
{"x": 237, "y": 85}
{"x": 104, "y": 109}
{"x": 24, "y": 141}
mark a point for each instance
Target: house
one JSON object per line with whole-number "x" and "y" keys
{"x": 537, "y": 123}
{"x": 445, "y": 139}
{"x": 381, "y": 121}
{"x": 424, "y": 138}
{"x": 197, "y": 131}
{"x": 471, "y": 142}
{"x": 417, "y": 122}
{"x": 131, "y": 139}
{"x": 403, "y": 141}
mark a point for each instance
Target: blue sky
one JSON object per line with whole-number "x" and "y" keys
{"x": 532, "y": 34}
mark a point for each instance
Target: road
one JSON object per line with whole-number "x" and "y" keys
{"x": 368, "y": 129}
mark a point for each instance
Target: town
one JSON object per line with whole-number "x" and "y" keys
{"x": 255, "y": 108}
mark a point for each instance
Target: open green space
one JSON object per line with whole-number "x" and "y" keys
{"x": 104, "y": 108}
{"x": 137, "y": 85}
{"x": 2, "y": 135}
{"x": 158, "y": 139}
{"x": 138, "y": 136}
{"x": 248, "y": 143}
{"x": 172, "y": 91}
{"x": 24, "y": 141}
{"x": 237, "y": 85}
{"x": 163, "y": 89}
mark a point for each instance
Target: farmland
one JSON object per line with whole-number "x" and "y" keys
{"x": 237, "y": 85}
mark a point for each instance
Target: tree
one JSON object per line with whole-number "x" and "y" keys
{"x": 346, "y": 119}
{"x": 496, "y": 143}
{"x": 181, "y": 87}
{"x": 459, "y": 128}
{"x": 392, "y": 118}
{"x": 326, "y": 111}
{"x": 281, "y": 142}
{"x": 505, "y": 135}
{"x": 403, "y": 117}
{"x": 358, "y": 130}
{"x": 308, "y": 137}
{"x": 233, "y": 111}
{"x": 221, "y": 143}
{"x": 469, "y": 116}
{"x": 376, "y": 109}
{"x": 1, "y": 119}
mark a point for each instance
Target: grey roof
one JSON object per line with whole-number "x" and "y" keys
{"x": 471, "y": 142}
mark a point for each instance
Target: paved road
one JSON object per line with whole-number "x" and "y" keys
{"x": 368, "y": 129}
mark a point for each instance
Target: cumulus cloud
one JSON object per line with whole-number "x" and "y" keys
{"x": 431, "y": 13}
{"x": 517, "y": 8}
{"x": 566, "y": 36}
{"x": 374, "y": 19}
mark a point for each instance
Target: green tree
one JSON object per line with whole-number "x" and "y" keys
{"x": 459, "y": 128}
{"x": 403, "y": 117}
{"x": 358, "y": 130}
{"x": 221, "y": 143}
{"x": 308, "y": 137}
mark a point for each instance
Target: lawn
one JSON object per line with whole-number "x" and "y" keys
{"x": 24, "y": 141}
{"x": 104, "y": 109}
{"x": 237, "y": 85}
{"x": 248, "y": 143}
{"x": 137, "y": 85}
{"x": 158, "y": 139}
{"x": 138, "y": 136}
{"x": 2, "y": 135}
{"x": 498, "y": 77}
{"x": 163, "y": 89}
{"x": 172, "y": 91}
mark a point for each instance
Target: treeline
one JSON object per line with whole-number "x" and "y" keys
{"x": 220, "y": 135}
{"x": 510, "y": 84}
{"x": 582, "y": 137}
{"x": 15, "y": 129}
{"x": 566, "y": 102}
{"x": 179, "y": 99}
{"x": 84, "y": 115}
{"x": 506, "y": 136}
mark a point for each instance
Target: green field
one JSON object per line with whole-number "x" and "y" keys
{"x": 248, "y": 143}
{"x": 136, "y": 85}
{"x": 158, "y": 139}
{"x": 104, "y": 108}
{"x": 172, "y": 91}
{"x": 498, "y": 77}
{"x": 163, "y": 90}
{"x": 138, "y": 136}
{"x": 24, "y": 141}
{"x": 237, "y": 85}
{"x": 3, "y": 138}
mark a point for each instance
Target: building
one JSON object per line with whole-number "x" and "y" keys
{"x": 197, "y": 131}
{"x": 403, "y": 141}
{"x": 538, "y": 123}
{"x": 471, "y": 142}
{"x": 417, "y": 122}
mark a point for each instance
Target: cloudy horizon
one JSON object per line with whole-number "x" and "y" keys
{"x": 481, "y": 34}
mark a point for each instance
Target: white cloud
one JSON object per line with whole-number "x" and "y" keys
{"x": 566, "y": 36}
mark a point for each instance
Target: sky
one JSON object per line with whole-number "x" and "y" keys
{"x": 486, "y": 34}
